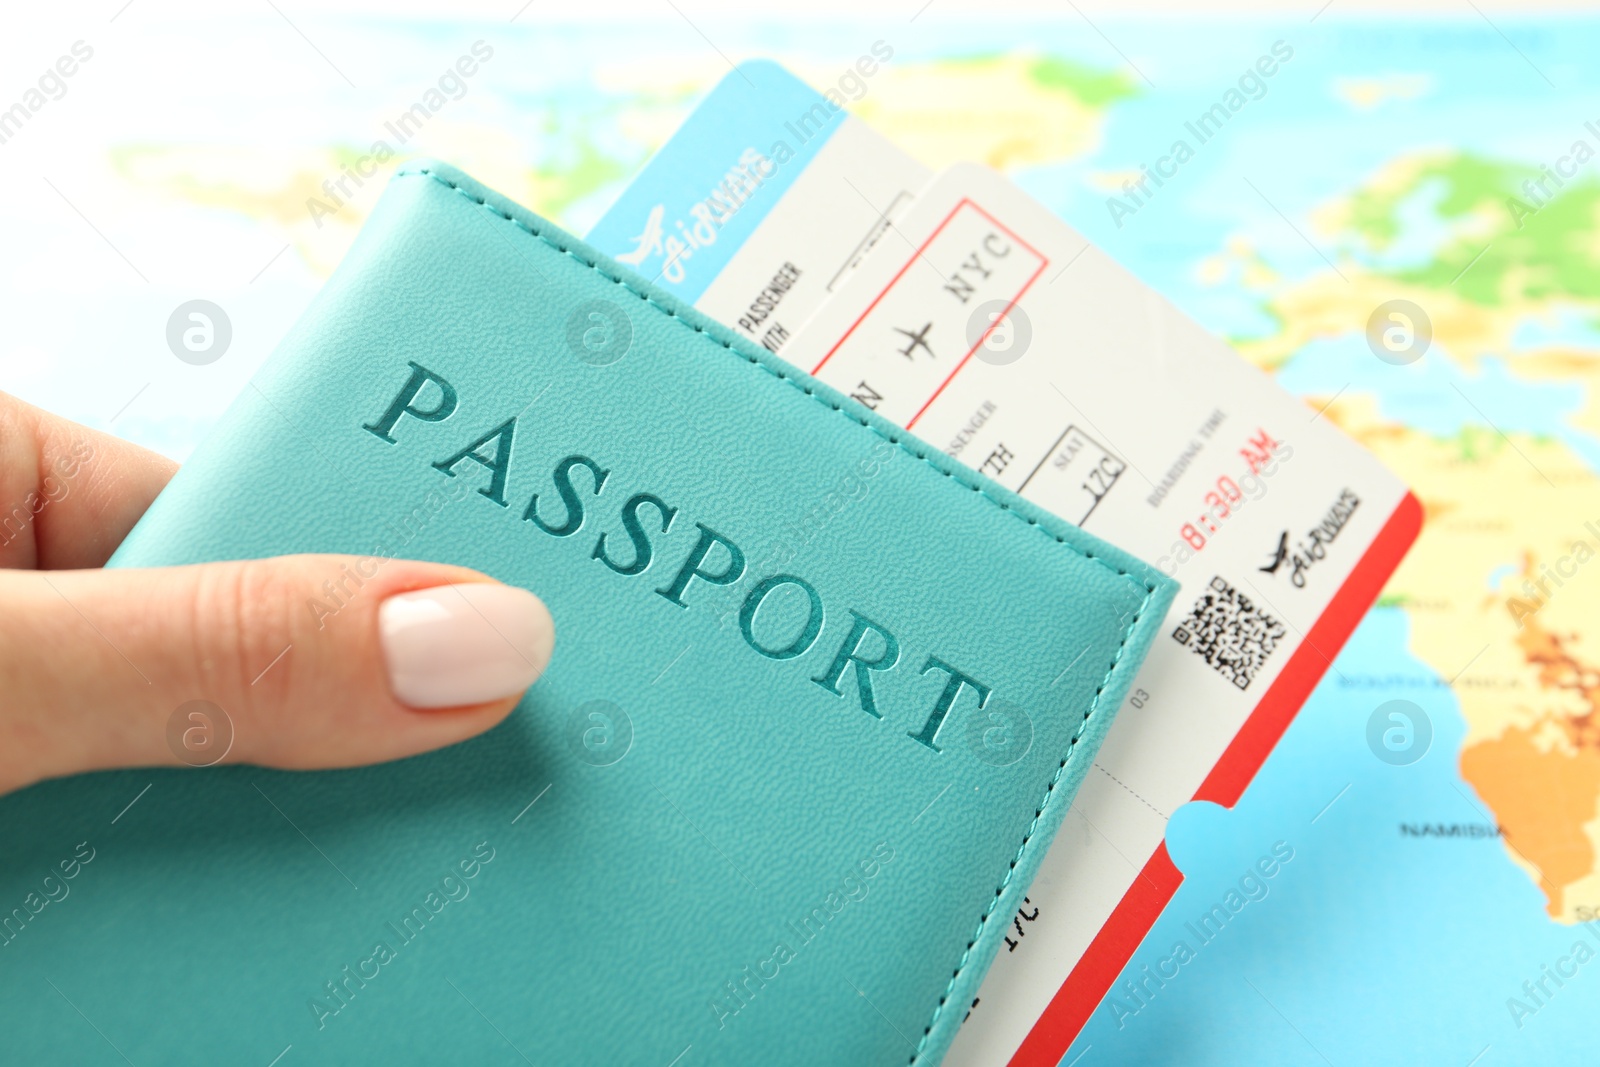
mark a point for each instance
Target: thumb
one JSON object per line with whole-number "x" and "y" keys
{"x": 295, "y": 662}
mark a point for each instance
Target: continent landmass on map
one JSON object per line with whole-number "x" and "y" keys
{"x": 1007, "y": 110}
{"x": 1499, "y": 587}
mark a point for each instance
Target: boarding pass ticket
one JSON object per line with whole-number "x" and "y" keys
{"x": 962, "y": 309}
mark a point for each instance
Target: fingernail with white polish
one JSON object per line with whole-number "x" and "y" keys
{"x": 464, "y": 644}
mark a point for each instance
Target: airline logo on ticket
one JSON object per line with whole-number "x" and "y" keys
{"x": 726, "y": 214}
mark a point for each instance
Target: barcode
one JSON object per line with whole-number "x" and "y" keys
{"x": 1230, "y": 632}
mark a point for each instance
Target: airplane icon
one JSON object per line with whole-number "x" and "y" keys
{"x": 1279, "y": 556}
{"x": 918, "y": 339}
{"x": 647, "y": 242}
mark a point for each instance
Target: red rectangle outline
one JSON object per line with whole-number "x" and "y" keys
{"x": 1072, "y": 1005}
{"x": 1044, "y": 261}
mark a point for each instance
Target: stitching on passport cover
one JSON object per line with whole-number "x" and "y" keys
{"x": 899, "y": 442}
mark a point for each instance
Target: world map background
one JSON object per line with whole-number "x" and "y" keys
{"x": 1382, "y": 161}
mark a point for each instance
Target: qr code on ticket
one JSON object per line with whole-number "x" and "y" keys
{"x": 1230, "y": 632}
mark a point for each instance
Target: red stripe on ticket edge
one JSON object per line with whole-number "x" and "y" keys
{"x": 1150, "y": 893}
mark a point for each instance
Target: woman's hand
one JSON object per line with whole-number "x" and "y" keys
{"x": 295, "y": 662}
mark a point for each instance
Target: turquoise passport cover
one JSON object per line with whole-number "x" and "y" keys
{"x": 820, "y": 697}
